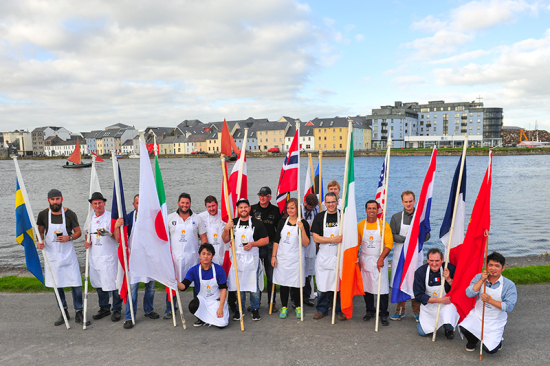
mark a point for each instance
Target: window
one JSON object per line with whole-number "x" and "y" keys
{"x": 428, "y": 116}
{"x": 456, "y": 128}
{"x": 375, "y": 136}
{"x": 340, "y": 137}
{"x": 319, "y": 137}
{"x": 435, "y": 129}
{"x": 470, "y": 127}
{"x": 340, "y": 146}
{"x": 334, "y": 129}
{"x": 319, "y": 146}
{"x": 340, "y": 130}
{"x": 334, "y": 146}
{"x": 334, "y": 137}
{"x": 325, "y": 130}
{"x": 479, "y": 127}
{"x": 424, "y": 110}
{"x": 457, "y": 115}
{"x": 325, "y": 146}
{"x": 375, "y": 128}
{"x": 325, "y": 137}
{"x": 478, "y": 121}
{"x": 260, "y": 141}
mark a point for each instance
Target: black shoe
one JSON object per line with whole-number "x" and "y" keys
{"x": 449, "y": 334}
{"x": 60, "y": 320}
{"x": 101, "y": 313}
{"x": 385, "y": 322}
{"x": 79, "y": 318}
{"x": 128, "y": 324}
{"x": 470, "y": 347}
{"x": 199, "y": 323}
{"x": 236, "y": 315}
{"x": 152, "y": 315}
{"x": 115, "y": 317}
{"x": 256, "y": 315}
{"x": 368, "y": 317}
{"x": 274, "y": 309}
{"x": 308, "y": 302}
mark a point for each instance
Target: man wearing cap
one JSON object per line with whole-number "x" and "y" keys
{"x": 269, "y": 215}
{"x": 58, "y": 226}
{"x": 250, "y": 235}
{"x": 103, "y": 247}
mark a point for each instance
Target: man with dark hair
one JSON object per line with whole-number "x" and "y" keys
{"x": 373, "y": 261}
{"x": 213, "y": 224}
{"x": 58, "y": 226}
{"x": 310, "y": 208}
{"x": 427, "y": 287}
{"x": 498, "y": 297}
{"x": 185, "y": 229}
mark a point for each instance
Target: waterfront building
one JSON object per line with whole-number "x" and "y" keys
{"x": 21, "y": 140}
{"x": 307, "y": 140}
{"x": 331, "y": 134}
{"x": 55, "y": 146}
{"x": 39, "y": 134}
{"x": 195, "y": 142}
{"x": 91, "y": 141}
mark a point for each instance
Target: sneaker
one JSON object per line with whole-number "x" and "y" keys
{"x": 152, "y": 315}
{"x": 199, "y": 323}
{"x": 449, "y": 334}
{"x": 101, "y": 313}
{"x": 256, "y": 315}
{"x": 416, "y": 317}
{"x": 368, "y": 317}
{"x": 115, "y": 317}
{"x": 342, "y": 317}
{"x": 298, "y": 312}
{"x": 167, "y": 315}
{"x": 60, "y": 320}
{"x": 384, "y": 321}
{"x": 309, "y": 303}
{"x": 128, "y": 324}
{"x": 500, "y": 346}
{"x": 283, "y": 312}
{"x": 318, "y": 316}
{"x": 470, "y": 347}
{"x": 79, "y": 318}
{"x": 236, "y": 315}
{"x": 396, "y": 316}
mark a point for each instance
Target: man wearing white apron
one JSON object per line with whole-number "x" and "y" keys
{"x": 210, "y": 305}
{"x": 499, "y": 299}
{"x": 400, "y": 224}
{"x": 250, "y": 234}
{"x": 149, "y": 296}
{"x": 185, "y": 229}
{"x": 427, "y": 288}
{"x": 58, "y": 226}
{"x": 213, "y": 224}
{"x": 374, "y": 262}
{"x": 104, "y": 258}
{"x": 309, "y": 210}
{"x": 325, "y": 228}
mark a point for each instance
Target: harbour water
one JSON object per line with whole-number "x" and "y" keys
{"x": 520, "y": 194}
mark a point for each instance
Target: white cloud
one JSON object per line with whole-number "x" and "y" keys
{"x": 443, "y": 41}
{"x": 429, "y": 24}
{"x": 471, "y": 55}
{"x": 359, "y": 37}
{"x": 477, "y": 15}
{"x": 409, "y": 79}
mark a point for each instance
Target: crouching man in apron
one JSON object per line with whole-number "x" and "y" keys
{"x": 210, "y": 305}
{"x": 499, "y": 298}
{"x": 427, "y": 287}
{"x": 374, "y": 262}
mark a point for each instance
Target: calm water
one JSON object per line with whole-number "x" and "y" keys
{"x": 520, "y": 196}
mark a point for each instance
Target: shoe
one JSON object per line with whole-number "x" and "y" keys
{"x": 298, "y": 312}
{"x": 282, "y": 313}
{"x": 250, "y": 307}
{"x": 318, "y": 316}
{"x": 128, "y": 324}
{"x": 60, "y": 320}
{"x": 115, "y": 317}
{"x": 396, "y": 316}
{"x": 368, "y": 317}
{"x": 236, "y": 315}
{"x": 385, "y": 322}
{"x": 470, "y": 347}
{"x": 199, "y": 323}
{"x": 273, "y": 309}
{"x": 500, "y": 346}
{"x": 152, "y": 315}
{"x": 167, "y": 315}
{"x": 256, "y": 315}
{"x": 449, "y": 334}
{"x": 309, "y": 303}
{"x": 79, "y": 318}
{"x": 416, "y": 317}
{"x": 101, "y": 313}
{"x": 342, "y": 317}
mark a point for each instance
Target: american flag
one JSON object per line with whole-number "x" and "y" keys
{"x": 380, "y": 192}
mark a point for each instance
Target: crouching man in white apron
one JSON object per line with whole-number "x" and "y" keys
{"x": 427, "y": 287}
{"x": 374, "y": 261}
{"x": 499, "y": 298}
{"x": 210, "y": 305}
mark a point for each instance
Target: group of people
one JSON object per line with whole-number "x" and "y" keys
{"x": 266, "y": 241}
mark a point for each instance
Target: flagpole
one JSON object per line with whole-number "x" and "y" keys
{"x": 88, "y": 236}
{"x": 39, "y": 238}
{"x": 385, "y": 201}
{"x": 241, "y": 165}
{"x": 320, "y": 179}
{"x": 484, "y": 291}
{"x": 122, "y": 236}
{"x": 448, "y": 247}
{"x": 299, "y": 230}
{"x": 340, "y": 228}
{"x": 312, "y": 172}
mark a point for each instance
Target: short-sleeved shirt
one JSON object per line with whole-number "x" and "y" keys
{"x": 388, "y": 237}
{"x": 175, "y": 219}
{"x": 282, "y": 224}
{"x": 193, "y": 276}
{"x": 317, "y": 226}
{"x": 260, "y": 231}
{"x": 71, "y": 221}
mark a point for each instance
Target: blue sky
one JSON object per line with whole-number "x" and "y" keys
{"x": 89, "y": 65}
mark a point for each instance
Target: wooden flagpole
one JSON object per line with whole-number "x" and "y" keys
{"x": 39, "y": 238}
{"x": 448, "y": 247}
{"x": 320, "y": 188}
{"x": 484, "y": 291}
{"x": 312, "y": 172}
{"x": 88, "y": 238}
{"x": 385, "y": 201}
{"x": 300, "y": 199}
{"x": 341, "y": 227}
{"x": 122, "y": 236}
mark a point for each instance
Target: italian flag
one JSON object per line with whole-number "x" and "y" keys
{"x": 351, "y": 283}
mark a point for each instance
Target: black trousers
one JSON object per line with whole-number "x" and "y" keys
{"x": 294, "y": 294}
{"x": 371, "y": 305}
{"x": 473, "y": 340}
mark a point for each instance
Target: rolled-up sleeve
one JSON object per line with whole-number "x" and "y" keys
{"x": 470, "y": 289}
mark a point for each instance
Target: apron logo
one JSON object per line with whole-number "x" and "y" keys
{"x": 371, "y": 238}
{"x": 183, "y": 232}
{"x": 97, "y": 235}
{"x": 332, "y": 235}
{"x": 215, "y": 236}
{"x": 243, "y": 237}
{"x": 434, "y": 293}
{"x": 288, "y": 233}
{"x": 208, "y": 287}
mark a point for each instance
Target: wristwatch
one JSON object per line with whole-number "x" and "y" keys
{"x": 70, "y": 238}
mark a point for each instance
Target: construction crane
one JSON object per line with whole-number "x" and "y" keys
{"x": 522, "y": 133}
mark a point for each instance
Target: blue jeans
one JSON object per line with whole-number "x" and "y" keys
{"x": 148, "y": 299}
{"x": 326, "y": 298}
{"x": 255, "y": 297}
{"x": 103, "y": 297}
{"x": 421, "y": 332}
{"x": 175, "y": 300}
{"x": 77, "y": 298}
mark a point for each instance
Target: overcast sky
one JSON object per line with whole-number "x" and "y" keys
{"x": 87, "y": 64}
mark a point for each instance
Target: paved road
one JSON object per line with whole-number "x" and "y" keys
{"x": 27, "y": 336}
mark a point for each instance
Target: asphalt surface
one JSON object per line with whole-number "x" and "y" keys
{"x": 28, "y": 337}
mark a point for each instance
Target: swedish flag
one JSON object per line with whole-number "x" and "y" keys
{"x": 25, "y": 236}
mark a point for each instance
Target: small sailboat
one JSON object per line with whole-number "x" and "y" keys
{"x": 76, "y": 159}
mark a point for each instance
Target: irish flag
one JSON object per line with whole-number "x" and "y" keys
{"x": 351, "y": 283}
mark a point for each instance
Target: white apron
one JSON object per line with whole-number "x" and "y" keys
{"x": 495, "y": 319}
{"x": 103, "y": 255}
{"x": 62, "y": 257}
{"x": 370, "y": 252}
{"x": 325, "y": 264}
{"x": 310, "y": 251}
{"x": 247, "y": 261}
{"x": 134, "y": 279}
{"x": 185, "y": 246}
{"x": 428, "y": 312}
{"x": 214, "y": 231}
{"x": 287, "y": 271}
{"x": 398, "y": 248}
{"x": 209, "y": 301}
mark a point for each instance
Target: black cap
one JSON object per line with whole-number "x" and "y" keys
{"x": 264, "y": 191}
{"x": 241, "y": 200}
{"x": 97, "y": 196}
{"x": 54, "y": 193}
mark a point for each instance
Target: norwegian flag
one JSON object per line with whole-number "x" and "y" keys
{"x": 121, "y": 274}
{"x": 381, "y": 192}
{"x": 288, "y": 180}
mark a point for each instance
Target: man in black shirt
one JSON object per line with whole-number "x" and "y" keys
{"x": 269, "y": 215}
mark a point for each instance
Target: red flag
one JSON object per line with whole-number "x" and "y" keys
{"x": 308, "y": 188}
{"x": 226, "y": 216}
{"x": 227, "y": 142}
{"x": 233, "y": 180}
{"x": 97, "y": 158}
{"x": 469, "y": 256}
{"x": 288, "y": 180}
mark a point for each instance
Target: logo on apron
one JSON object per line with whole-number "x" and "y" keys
{"x": 208, "y": 291}
{"x": 332, "y": 235}
{"x": 371, "y": 238}
{"x": 434, "y": 293}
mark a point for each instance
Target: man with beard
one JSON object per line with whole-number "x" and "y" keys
{"x": 58, "y": 226}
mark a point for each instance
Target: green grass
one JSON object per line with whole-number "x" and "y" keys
{"x": 528, "y": 275}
